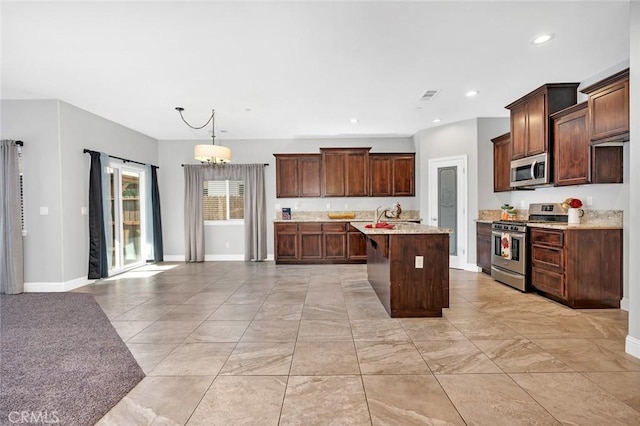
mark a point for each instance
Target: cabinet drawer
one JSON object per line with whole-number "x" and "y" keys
{"x": 483, "y": 229}
{"x": 310, "y": 227}
{"x": 548, "y": 282}
{"x": 547, "y": 236}
{"x": 334, "y": 227}
{"x": 550, "y": 258}
{"x": 286, "y": 227}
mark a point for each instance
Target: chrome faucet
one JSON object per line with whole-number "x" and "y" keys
{"x": 379, "y": 214}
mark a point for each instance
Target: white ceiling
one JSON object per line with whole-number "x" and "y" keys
{"x": 300, "y": 69}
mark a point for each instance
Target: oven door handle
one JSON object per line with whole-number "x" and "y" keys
{"x": 503, "y": 271}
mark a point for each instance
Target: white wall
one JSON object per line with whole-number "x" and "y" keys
{"x": 57, "y": 177}
{"x": 36, "y": 123}
{"x": 459, "y": 138}
{"x": 632, "y": 229}
{"x": 173, "y": 153}
{"x": 489, "y": 128}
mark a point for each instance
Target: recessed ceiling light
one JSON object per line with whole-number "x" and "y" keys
{"x": 436, "y": 120}
{"x": 542, "y": 38}
{"x": 472, "y": 93}
{"x": 354, "y": 120}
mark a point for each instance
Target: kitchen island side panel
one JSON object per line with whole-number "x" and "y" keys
{"x": 403, "y": 289}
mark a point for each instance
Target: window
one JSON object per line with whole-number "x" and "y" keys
{"x": 223, "y": 200}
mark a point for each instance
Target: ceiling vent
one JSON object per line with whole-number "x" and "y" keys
{"x": 429, "y": 95}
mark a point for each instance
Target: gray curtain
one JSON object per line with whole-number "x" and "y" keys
{"x": 11, "y": 255}
{"x": 255, "y": 215}
{"x": 193, "y": 221}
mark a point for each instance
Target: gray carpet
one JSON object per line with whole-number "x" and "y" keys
{"x": 60, "y": 359}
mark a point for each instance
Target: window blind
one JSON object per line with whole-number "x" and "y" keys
{"x": 223, "y": 200}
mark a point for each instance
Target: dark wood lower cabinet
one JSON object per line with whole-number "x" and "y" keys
{"x": 404, "y": 289}
{"x": 318, "y": 242}
{"x": 581, "y": 268}
{"x": 483, "y": 246}
{"x": 335, "y": 241}
{"x": 356, "y": 245}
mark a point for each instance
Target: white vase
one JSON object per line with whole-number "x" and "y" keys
{"x": 575, "y": 215}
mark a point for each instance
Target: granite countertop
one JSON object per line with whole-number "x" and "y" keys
{"x": 357, "y": 219}
{"x": 484, "y": 221}
{"x": 572, "y": 226}
{"x": 401, "y": 228}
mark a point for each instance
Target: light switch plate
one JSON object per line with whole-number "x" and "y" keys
{"x": 83, "y": 211}
{"x": 419, "y": 262}
{"x": 44, "y": 211}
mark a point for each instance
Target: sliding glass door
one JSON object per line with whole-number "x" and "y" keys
{"x": 127, "y": 186}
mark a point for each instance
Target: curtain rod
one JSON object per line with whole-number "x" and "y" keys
{"x": 120, "y": 158}
{"x": 20, "y": 143}
{"x": 264, "y": 164}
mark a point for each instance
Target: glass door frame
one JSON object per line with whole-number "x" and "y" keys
{"x": 118, "y": 266}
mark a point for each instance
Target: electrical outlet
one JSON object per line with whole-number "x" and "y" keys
{"x": 589, "y": 201}
{"x": 328, "y": 206}
{"x": 278, "y": 207}
{"x": 83, "y": 211}
{"x": 227, "y": 244}
{"x": 346, "y": 206}
{"x": 419, "y": 262}
{"x": 44, "y": 211}
{"x": 296, "y": 206}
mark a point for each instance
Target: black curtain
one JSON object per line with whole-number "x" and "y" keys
{"x": 157, "y": 219}
{"x": 98, "y": 264}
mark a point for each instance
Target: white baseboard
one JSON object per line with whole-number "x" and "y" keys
{"x": 173, "y": 258}
{"x": 632, "y": 346}
{"x": 211, "y": 257}
{"x": 624, "y": 304}
{"x": 46, "y": 287}
{"x": 472, "y": 268}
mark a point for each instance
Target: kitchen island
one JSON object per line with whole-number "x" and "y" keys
{"x": 408, "y": 268}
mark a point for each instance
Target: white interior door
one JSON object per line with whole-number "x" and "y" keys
{"x": 448, "y": 203}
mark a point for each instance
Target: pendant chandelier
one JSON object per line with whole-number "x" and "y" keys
{"x": 206, "y": 153}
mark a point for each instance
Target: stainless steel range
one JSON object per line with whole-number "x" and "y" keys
{"x": 509, "y": 251}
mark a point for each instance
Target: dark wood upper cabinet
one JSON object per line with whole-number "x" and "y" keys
{"x": 576, "y": 160}
{"x": 298, "y": 175}
{"x": 346, "y": 172}
{"x": 609, "y": 108}
{"x": 392, "y": 175}
{"x": 502, "y": 163}
{"x": 571, "y": 146}
{"x": 530, "y": 117}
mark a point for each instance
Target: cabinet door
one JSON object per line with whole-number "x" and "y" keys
{"x": 483, "y": 247}
{"x": 310, "y": 235}
{"x": 287, "y": 177}
{"x": 610, "y": 112}
{"x": 403, "y": 172}
{"x": 606, "y": 164}
{"x": 335, "y": 241}
{"x": 286, "y": 242}
{"x": 571, "y": 148}
{"x": 519, "y": 131}
{"x": 537, "y": 125}
{"x": 309, "y": 171}
{"x": 333, "y": 174}
{"x": 356, "y": 244}
{"x": 357, "y": 171}
{"x": 502, "y": 163}
{"x": 380, "y": 175}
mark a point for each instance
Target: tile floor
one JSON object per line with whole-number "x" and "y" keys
{"x": 253, "y": 343}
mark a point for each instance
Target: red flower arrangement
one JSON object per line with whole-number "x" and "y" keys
{"x": 573, "y": 203}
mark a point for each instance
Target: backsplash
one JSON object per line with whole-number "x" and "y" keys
{"x": 591, "y": 217}
{"x": 362, "y": 215}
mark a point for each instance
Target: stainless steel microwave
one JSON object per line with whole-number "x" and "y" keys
{"x": 530, "y": 171}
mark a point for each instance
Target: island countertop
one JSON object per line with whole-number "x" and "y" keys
{"x": 400, "y": 228}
